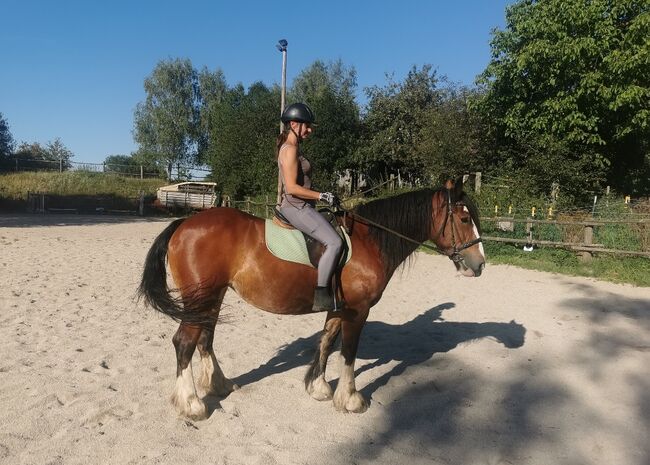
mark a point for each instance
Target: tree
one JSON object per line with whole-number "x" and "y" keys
{"x": 56, "y": 151}
{"x": 6, "y": 139}
{"x": 568, "y": 92}
{"x": 167, "y": 123}
{"x": 393, "y": 122}
{"x": 450, "y": 139}
{"x": 213, "y": 89}
{"x": 241, "y": 150}
{"x": 329, "y": 89}
{"x": 54, "y": 156}
{"x": 6, "y": 144}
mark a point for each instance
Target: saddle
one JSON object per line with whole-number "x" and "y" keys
{"x": 287, "y": 243}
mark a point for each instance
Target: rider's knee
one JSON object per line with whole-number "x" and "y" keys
{"x": 336, "y": 244}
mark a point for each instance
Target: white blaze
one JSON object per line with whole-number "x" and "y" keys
{"x": 480, "y": 244}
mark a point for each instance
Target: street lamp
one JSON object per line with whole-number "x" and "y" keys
{"x": 282, "y": 47}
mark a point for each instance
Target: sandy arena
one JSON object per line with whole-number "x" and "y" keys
{"x": 515, "y": 367}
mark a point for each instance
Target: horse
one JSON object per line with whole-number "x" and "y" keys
{"x": 222, "y": 248}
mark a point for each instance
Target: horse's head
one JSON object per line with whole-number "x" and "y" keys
{"x": 455, "y": 228}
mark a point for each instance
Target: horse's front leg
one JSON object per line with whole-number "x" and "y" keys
{"x": 346, "y": 397}
{"x": 315, "y": 383}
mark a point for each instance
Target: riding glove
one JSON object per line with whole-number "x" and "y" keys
{"x": 328, "y": 198}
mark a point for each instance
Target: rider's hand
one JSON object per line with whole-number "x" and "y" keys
{"x": 328, "y": 198}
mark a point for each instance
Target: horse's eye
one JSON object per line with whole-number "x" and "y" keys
{"x": 465, "y": 220}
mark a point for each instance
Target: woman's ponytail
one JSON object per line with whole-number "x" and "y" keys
{"x": 282, "y": 138}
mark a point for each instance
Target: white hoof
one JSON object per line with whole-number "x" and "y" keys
{"x": 320, "y": 389}
{"x": 350, "y": 402}
{"x": 192, "y": 407}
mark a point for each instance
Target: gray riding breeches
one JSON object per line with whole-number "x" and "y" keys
{"x": 312, "y": 223}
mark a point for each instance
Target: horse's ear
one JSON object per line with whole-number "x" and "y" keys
{"x": 458, "y": 186}
{"x": 455, "y": 187}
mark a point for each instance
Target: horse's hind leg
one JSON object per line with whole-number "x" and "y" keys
{"x": 346, "y": 397}
{"x": 185, "y": 398}
{"x": 315, "y": 382}
{"x": 212, "y": 379}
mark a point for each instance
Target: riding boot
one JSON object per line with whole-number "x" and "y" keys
{"x": 324, "y": 301}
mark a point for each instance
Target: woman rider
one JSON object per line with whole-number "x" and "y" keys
{"x": 299, "y": 200}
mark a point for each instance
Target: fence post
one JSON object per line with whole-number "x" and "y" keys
{"x": 529, "y": 232}
{"x": 141, "y": 172}
{"x": 266, "y": 207}
{"x": 586, "y": 256}
{"x": 60, "y": 165}
{"x": 391, "y": 184}
{"x": 248, "y": 204}
{"x": 477, "y": 183}
{"x": 141, "y": 209}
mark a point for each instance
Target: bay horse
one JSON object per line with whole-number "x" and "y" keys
{"x": 224, "y": 248}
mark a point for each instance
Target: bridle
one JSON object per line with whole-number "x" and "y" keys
{"x": 454, "y": 255}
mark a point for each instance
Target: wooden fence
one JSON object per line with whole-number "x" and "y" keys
{"x": 585, "y": 248}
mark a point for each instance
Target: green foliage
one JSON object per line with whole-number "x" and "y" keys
{"x": 633, "y": 270}
{"x": 617, "y": 236}
{"x": 167, "y": 123}
{"x": 450, "y": 139}
{"x": 213, "y": 89}
{"x": 17, "y": 185}
{"x": 131, "y": 164}
{"x": 54, "y": 156}
{"x": 568, "y": 93}
{"x": 329, "y": 90}
{"x": 393, "y": 123}
{"x": 241, "y": 151}
{"x": 6, "y": 141}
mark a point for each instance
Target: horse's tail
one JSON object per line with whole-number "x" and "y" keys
{"x": 153, "y": 287}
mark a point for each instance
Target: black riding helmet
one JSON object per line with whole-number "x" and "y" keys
{"x": 299, "y": 112}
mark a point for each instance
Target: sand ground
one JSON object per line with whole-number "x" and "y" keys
{"x": 515, "y": 367}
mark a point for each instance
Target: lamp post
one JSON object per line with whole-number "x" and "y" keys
{"x": 282, "y": 47}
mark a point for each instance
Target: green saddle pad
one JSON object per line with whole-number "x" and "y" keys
{"x": 289, "y": 244}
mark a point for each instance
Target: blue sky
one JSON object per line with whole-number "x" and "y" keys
{"x": 75, "y": 69}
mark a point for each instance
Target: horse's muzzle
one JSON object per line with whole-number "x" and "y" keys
{"x": 469, "y": 269}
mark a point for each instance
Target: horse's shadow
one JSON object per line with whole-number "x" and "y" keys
{"x": 409, "y": 344}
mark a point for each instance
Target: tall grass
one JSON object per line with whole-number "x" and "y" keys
{"x": 15, "y": 186}
{"x": 632, "y": 270}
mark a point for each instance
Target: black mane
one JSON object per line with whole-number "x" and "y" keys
{"x": 409, "y": 214}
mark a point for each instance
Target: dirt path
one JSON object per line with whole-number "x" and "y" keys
{"x": 516, "y": 367}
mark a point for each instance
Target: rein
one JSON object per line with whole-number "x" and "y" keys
{"x": 454, "y": 256}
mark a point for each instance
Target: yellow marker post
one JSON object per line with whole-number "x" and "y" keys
{"x": 532, "y": 212}
{"x": 496, "y": 210}
{"x": 550, "y": 212}
{"x": 510, "y": 210}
